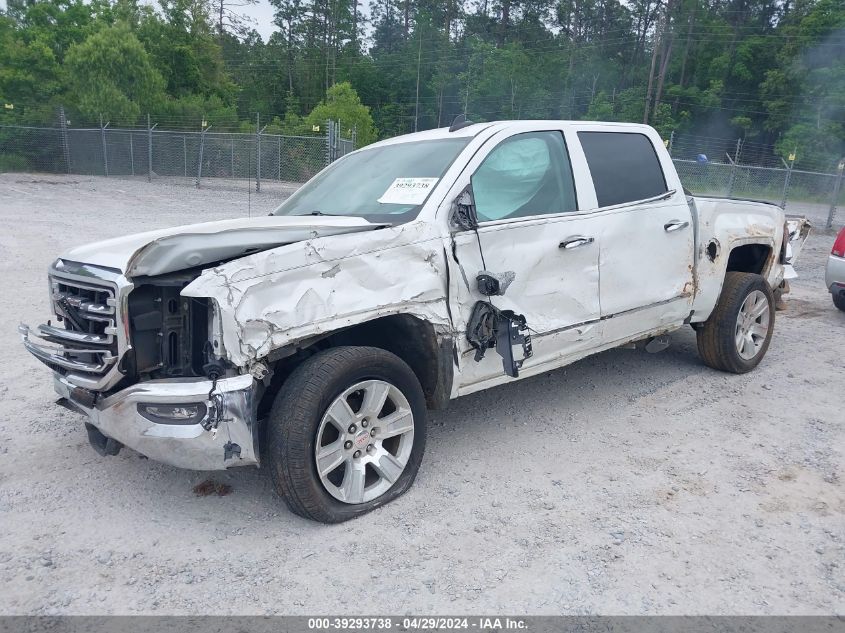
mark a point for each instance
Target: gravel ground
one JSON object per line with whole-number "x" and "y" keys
{"x": 626, "y": 483}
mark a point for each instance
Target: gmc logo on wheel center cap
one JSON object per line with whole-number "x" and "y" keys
{"x": 362, "y": 439}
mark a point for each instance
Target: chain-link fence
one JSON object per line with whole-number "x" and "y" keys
{"x": 36, "y": 149}
{"x": 738, "y": 168}
{"x": 707, "y": 166}
{"x": 199, "y": 158}
{"x": 788, "y": 187}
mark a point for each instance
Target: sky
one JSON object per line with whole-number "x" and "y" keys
{"x": 261, "y": 13}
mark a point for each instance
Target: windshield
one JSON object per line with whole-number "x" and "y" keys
{"x": 382, "y": 184}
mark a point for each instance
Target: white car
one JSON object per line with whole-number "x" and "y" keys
{"x": 408, "y": 273}
{"x": 834, "y": 275}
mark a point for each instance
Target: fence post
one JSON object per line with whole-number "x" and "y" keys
{"x": 65, "y": 146}
{"x": 734, "y": 163}
{"x": 786, "y": 181}
{"x": 279, "y": 158}
{"x": 336, "y": 138}
{"x": 185, "y": 156}
{"x": 199, "y": 162}
{"x": 328, "y": 142}
{"x": 150, "y": 150}
{"x": 105, "y": 152}
{"x": 354, "y": 136}
{"x": 131, "y": 154}
{"x": 731, "y": 176}
{"x": 257, "y": 152}
{"x": 837, "y": 187}
{"x": 671, "y": 142}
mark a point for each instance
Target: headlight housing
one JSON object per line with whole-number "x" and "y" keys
{"x": 181, "y": 413}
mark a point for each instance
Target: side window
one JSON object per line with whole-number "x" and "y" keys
{"x": 527, "y": 174}
{"x": 624, "y": 166}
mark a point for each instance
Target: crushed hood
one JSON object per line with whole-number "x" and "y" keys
{"x": 170, "y": 250}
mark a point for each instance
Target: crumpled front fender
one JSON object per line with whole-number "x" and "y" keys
{"x": 279, "y": 297}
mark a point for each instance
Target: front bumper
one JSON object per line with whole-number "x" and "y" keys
{"x": 233, "y": 443}
{"x": 834, "y": 274}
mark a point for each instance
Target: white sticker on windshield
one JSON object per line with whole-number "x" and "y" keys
{"x": 408, "y": 191}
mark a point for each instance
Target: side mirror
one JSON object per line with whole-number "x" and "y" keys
{"x": 463, "y": 211}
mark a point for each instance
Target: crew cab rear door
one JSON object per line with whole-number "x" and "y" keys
{"x": 647, "y": 241}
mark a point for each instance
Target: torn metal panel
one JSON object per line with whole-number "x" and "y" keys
{"x": 797, "y": 229}
{"x": 491, "y": 284}
{"x": 181, "y": 247}
{"x": 554, "y": 288}
{"x": 279, "y": 297}
{"x": 490, "y": 327}
{"x": 182, "y": 445}
{"x": 725, "y": 224}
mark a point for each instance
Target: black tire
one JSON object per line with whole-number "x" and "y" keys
{"x": 839, "y": 300}
{"x": 717, "y": 336}
{"x": 295, "y": 419}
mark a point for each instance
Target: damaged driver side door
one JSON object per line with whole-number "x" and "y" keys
{"x": 529, "y": 236}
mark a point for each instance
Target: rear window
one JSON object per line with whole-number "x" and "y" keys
{"x": 624, "y": 166}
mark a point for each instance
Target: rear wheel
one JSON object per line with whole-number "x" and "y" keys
{"x": 737, "y": 335}
{"x": 346, "y": 433}
{"x": 839, "y": 300}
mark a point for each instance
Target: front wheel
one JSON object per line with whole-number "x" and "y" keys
{"x": 737, "y": 334}
{"x": 346, "y": 433}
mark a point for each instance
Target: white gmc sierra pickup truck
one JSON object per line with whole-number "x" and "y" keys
{"x": 410, "y": 272}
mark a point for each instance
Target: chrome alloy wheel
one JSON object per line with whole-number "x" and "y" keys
{"x": 364, "y": 441}
{"x": 752, "y": 325}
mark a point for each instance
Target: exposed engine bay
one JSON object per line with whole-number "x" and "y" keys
{"x": 169, "y": 332}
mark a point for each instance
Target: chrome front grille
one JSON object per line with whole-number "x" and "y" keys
{"x": 87, "y": 313}
{"x": 89, "y": 334}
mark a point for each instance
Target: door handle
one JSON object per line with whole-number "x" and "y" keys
{"x": 675, "y": 225}
{"x": 575, "y": 241}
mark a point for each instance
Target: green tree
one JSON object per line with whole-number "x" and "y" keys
{"x": 601, "y": 109}
{"x": 185, "y": 49}
{"x": 58, "y": 23}
{"x": 768, "y": 70}
{"x": 188, "y": 112}
{"x": 29, "y": 75}
{"x": 805, "y": 94}
{"x": 343, "y": 104}
{"x": 509, "y": 86}
{"x": 110, "y": 74}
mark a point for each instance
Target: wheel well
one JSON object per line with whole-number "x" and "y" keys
{"x": 749, "y": 258}
{"x": 410, "y": 338}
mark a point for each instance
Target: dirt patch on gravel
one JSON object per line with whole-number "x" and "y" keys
{"x": 210, "y": 487}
